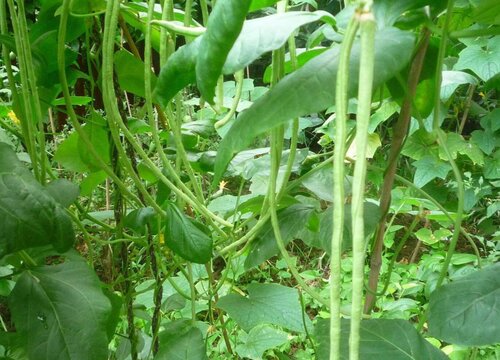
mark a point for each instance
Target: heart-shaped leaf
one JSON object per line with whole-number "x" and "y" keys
{"x": 266, "y": 304}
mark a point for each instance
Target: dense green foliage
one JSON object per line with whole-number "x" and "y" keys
{"x": 253, "y": 179}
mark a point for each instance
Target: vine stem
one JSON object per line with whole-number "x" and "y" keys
{"x": 275, "y": 162}
{"x": 398, "y": 139}
{"x": 442, "y": 143}
{"x": 367, "y": 60}
{"x": 71, "y": 112}
{"x": 115, "y": 120}
{"x": 341, "y": 100}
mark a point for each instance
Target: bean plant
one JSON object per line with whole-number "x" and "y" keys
{"x": 249, "y": 179}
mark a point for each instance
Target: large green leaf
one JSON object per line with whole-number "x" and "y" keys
{"x": 268, "y": 33}
{"x": 266, "y": 304}
{"x": 485, "y": 62}
{"x": 381, "y": 339}
{"x": 61, "y": 312}
{"x": 488, "y": 12}
{"x": 181, "y": 341}
{"x": 178, "y": 72}
{"x": 29, "y": 215}
{"x": 467, "y": 311}
{"x": 130, "y": 73}
{"x": 223, "y": 28}
{"x": 292, "y": 220}
{"x": 311, "y": 89}
{"x": 260, "y": 339}
{"x": 185, "y": 238}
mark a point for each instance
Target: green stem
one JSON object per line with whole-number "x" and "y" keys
{"x": 187, "y": 13}
{"x": 193, "y": 292}
{"x": 442, "y": 142}
{"x": 468, "y": 33}
{"x": 341, "y": 100}
{"x": 167, "y": 39}
{"x": 237, "y": 97}
{"x": 204, "y": 11}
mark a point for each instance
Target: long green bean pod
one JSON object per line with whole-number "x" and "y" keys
{"x": 367, "y": 30}
{"x": 341, "y": 99}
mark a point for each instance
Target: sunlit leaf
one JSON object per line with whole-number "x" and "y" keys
{"x": 266, "y": 304}
{"x": 311, "y": 89}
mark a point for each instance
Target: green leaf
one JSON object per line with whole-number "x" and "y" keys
{"x": 452, "y": 80}
{"x": 485, "y": 62}
{"x": 467, "y": 311}
{"x": 491, "y": 168}
{"x": 426, "y": 236}
{"x": 91, "y": 182}
{"x": 381, "y": 339}
{"x": 75, "y": 101}
{"x": 420, "y": 144}
{"x": 98, "y": 136}
{"x": 486, "y": 140}
{"x": 61, "y": 311}
{"x": 67, "y": 154}
{"x": 88, "y": 7}
{"x": 310, "y": 89}
{"x": 30, "y": 216}
{"x": 260, "y": 339}
{"x": 429, "y": 168}
{"x": 265, "y": 304}
{"x": 130, "y": 73}
{"x": 185, "y": 238}
{"x": 178, "y": 72}
{"x": 268, "y": 33}
{"x": 458, "y": 145}
{"x": 181, "y": 341}
{"x": 224, "y": 25}
{"x": 371, "y": 218}
{"x": 302, "y": 59}
{"x": 259, "y": 4}
{"x": 292, "y": 220}
{"x": 138, "y": 219}
{"x": 487, "y": 12}
{"x": 387, "y": 12}
{"x": 63, "y": 191}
